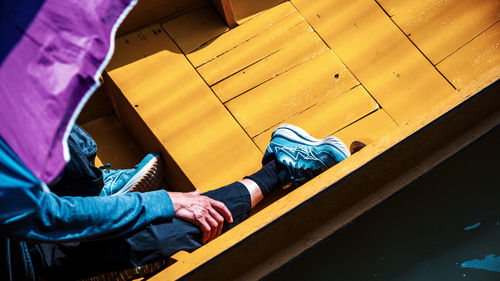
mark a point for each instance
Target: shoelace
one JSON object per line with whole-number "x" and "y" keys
{"x": 105, "y": 166}
{"x": 105, "y": 169}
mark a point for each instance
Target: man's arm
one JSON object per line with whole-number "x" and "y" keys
{"x": 61, "y": 219}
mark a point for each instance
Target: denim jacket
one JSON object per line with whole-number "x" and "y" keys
{"x": 36, "y": 214}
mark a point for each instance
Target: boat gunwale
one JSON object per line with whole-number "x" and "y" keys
{"x": 329, "y": 180}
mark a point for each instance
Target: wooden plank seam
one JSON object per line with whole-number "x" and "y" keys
{"x": 415, "y": 45}
{"x": 281, "y": 47}
{"x": 348, "y": 68}
{"x": 242, "y": 26}
{"x": 231, "y": 114}
{"x": 306, "y": 109}
{"x": 269, "y": 29}
{"x": 467, "y": 43}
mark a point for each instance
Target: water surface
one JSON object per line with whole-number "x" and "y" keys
{"x": 443, "y": 226}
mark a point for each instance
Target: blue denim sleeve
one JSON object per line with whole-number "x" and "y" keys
{"x": 63, "y": 219}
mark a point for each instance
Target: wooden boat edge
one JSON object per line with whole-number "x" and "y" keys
{"x": 236, "y": 255}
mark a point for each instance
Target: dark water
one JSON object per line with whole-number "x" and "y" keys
{"x": 446, "y": 220}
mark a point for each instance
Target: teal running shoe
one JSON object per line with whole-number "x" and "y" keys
{"x": 144, "y": 177}
{"x": 304, "y": 156}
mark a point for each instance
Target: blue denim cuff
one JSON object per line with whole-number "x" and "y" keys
{"x": 158, "y": 205}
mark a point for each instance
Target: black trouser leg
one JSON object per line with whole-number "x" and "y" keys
{"x": 155, "y": 242}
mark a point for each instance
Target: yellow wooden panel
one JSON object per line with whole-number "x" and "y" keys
{"x": 322, "y": 77}
{"x": 368, "y": 130}
{"x": 140, "y": 44}
{"x": 439, "y": 28}
{"x": 323, "y": 119}
{"x": 273, "y": 39}
{"x": 98, "y": 161}
{"x": 244, "y": 10}
{"x": 186, "y": 117}
{"x": 476, "y": 61}
{"x": 195, "y": 28}
{"x": 300, "y": 50}
{"x": 114, "y": 144}
{"x": 398, "y": 76}
{"x": 240, "y": 34}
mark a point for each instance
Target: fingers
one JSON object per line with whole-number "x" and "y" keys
{"x": 205, "y": 228}
{"x": 210, "y": 223}
{"x": 206, "y": 213}
{"x": 220, "y": 221}
{"x": 222, "y": 209}
{"x": 213, "y": 228}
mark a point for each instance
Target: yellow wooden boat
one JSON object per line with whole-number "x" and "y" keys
{"x": 415, "y": 81}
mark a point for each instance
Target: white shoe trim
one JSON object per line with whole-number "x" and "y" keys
{"x": 289, "y": 131}
{"x": 137, "y": 177}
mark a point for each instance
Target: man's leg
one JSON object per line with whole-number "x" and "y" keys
{"x": 293, "y": 155}
{"x": 155, "y": 242}
{"x": 82, "y": 178}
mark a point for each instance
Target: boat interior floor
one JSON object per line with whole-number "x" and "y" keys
{"x": 207, "y": 97}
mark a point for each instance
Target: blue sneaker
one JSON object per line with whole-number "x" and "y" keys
{"x": 304, "y": 156}
{"x": 144, "y": 177}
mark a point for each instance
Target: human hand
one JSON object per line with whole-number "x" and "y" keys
{"x": 201, "y": 211}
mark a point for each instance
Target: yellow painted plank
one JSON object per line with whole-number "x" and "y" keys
{"x": 98, "y": 161}
{"x": 240, "y": 34}
{"x": 478, "y": 60}
{"x": 291, "y": 92}
{"x": 384, "y": 60}
{"x": 323, "y": 119}
{"x": 245, "y": 10}
{"x": 439, "y": 28}
{"x": 273, "y": 39}
{"x": 300, "y": 50}
{"x": 195, "y": 28}
{"x": 368, "y": 130}
{"x": 186, "y": 117}
{"x": 140, "y": 44}
{"x": 115, "y": 145}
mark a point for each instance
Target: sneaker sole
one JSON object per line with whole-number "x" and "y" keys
{"x": 147, "y": 179}
{"x": 290, "y": 132}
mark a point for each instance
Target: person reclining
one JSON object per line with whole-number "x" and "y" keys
{"x": 119, "y": 230}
